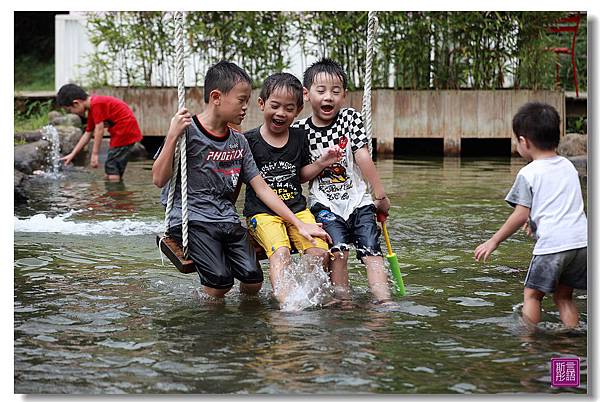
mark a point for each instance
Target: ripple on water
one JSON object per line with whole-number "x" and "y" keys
{"x": 31, "y": 262}
{"x": 424, "y": 370}
{"x": 171, "y": 387}
{"x": 463, "y": 388}
{"x": 492, "y": 294}
{"x": 341, "y": 379}
{"x": 123, "y": 361}
{"x": 486, "y": 279}
{"x": 471, "y": 301}
{"x": 125, "y": 345}
{"x": 506, "y": 270}
{"x": 409, "y": 307}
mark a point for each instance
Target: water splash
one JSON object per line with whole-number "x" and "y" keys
{"x": 51, "y": 134}
{"x": 40, "y": 223}
{"x": 306, "y": 284}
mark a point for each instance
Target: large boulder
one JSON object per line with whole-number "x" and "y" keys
{"x": 57, "y": 119}
{"x": 69, "y": 136}
{"x": 20, "y": 193}
{"x": 31, "y": 156}
{"x": 29, "y": 136}
{"x": 573, "y": 145}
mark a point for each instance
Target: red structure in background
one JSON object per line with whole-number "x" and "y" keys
{"x": 567, "y": 24}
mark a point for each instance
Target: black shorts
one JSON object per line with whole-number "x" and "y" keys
{"x": 116, "y": 160}
{"x": 360, "y": 229}
{"x": 221, "y": 251}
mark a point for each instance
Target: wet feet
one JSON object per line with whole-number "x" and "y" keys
{"x": 344, "y": 304}
{"x": 204, "y": 298}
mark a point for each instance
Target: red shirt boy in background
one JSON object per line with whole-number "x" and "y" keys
{"x": 102, "y": 112}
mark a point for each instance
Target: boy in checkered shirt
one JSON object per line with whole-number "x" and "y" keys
{"x": 339, "y": 196}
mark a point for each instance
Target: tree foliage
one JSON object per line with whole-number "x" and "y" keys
{"x": 414, "y": 50}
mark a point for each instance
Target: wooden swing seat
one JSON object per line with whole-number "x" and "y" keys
{"x": 174, "y": 252}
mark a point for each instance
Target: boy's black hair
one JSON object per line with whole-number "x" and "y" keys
{"x": 539, "y": 123}
{"x": 327, "y": 66}
{"x": 223, "y": 76}
{"x": 69, "y": 93}
{"x": 285, "y": 81}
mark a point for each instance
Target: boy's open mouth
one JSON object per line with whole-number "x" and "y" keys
{"x": 278, "y": 122}
{"x": 327, "y": 108}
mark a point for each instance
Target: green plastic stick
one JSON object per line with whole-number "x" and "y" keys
{"x": 392, "y": 259}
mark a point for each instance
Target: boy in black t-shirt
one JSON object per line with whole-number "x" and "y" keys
{"x": 282, "y": 157}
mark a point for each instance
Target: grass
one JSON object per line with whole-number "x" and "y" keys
{"x": 32, "y": 74}
{"x": 34, "y": 119}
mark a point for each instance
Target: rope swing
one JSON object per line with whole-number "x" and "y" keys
{"x": 366, "y": 106}
{"x": 168, "y": 245}
{"x": 368, "y": 119}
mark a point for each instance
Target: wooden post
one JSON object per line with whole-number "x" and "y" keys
{"x": 383, "y": 108}
{"x": 448, "y": 110}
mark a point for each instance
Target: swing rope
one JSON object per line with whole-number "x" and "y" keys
{"x": 180, "y": 156}
{"x": 366, "y": 106}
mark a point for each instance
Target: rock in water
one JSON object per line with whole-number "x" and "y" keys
{"x": 31, "y": 156}
{"x": 573, "y": 145}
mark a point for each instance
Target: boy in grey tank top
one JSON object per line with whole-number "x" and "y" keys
{"x": 217, "y": 157}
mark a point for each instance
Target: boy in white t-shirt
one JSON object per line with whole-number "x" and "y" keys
{"x": 548, "y": 194}
{"x": 340, "y": 195}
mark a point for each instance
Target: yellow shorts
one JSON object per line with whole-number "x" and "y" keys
{"x": 272, "y": 232}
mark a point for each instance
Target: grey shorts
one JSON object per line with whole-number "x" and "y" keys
{"x": 568, "y": 268}
{"x": 116, "y": 160}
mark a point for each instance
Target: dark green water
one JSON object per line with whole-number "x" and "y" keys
{"x": 97, "y": 312}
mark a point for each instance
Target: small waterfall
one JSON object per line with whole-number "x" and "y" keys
{"x": 51, "y": 134}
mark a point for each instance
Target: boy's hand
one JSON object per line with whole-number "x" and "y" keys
{"x": 527, "y": 229}
{"x": 485, "y": 249}
{"x": 179, "y": 122}
{"x": 308, "y": 230}
{"x": 94, "y": 161}
{"x": 331, "y": 155}
{"x": 383, "y": 206}
{"x": 67, "y": 158}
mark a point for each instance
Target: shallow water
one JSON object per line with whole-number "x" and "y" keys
{"x": 97, "y": 312}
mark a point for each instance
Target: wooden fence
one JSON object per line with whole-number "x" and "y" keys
{"x": 450, "y": 115}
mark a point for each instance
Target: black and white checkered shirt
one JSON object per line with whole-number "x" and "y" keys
{"x": 340, "y": 187}
{"x": 348, "y": 122}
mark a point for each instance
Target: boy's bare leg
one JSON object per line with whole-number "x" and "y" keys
{"x": 532, "y": 305}
{"x": 377, "y": 277}
{"x": 218, "y": 293}
{"x": 339, "y": 275}
{"x": 323, "y": 255}
{"x": 563, "y": 298}
{"x": 250, "y": 288}
{"x": 112, "y": 177}
{"x": 277, "y": 262}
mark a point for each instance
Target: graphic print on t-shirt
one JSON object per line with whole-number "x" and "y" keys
{"x": 334, "y": 181}
{"x": 227, "y": 162}
{"x": 277, "y": 174}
